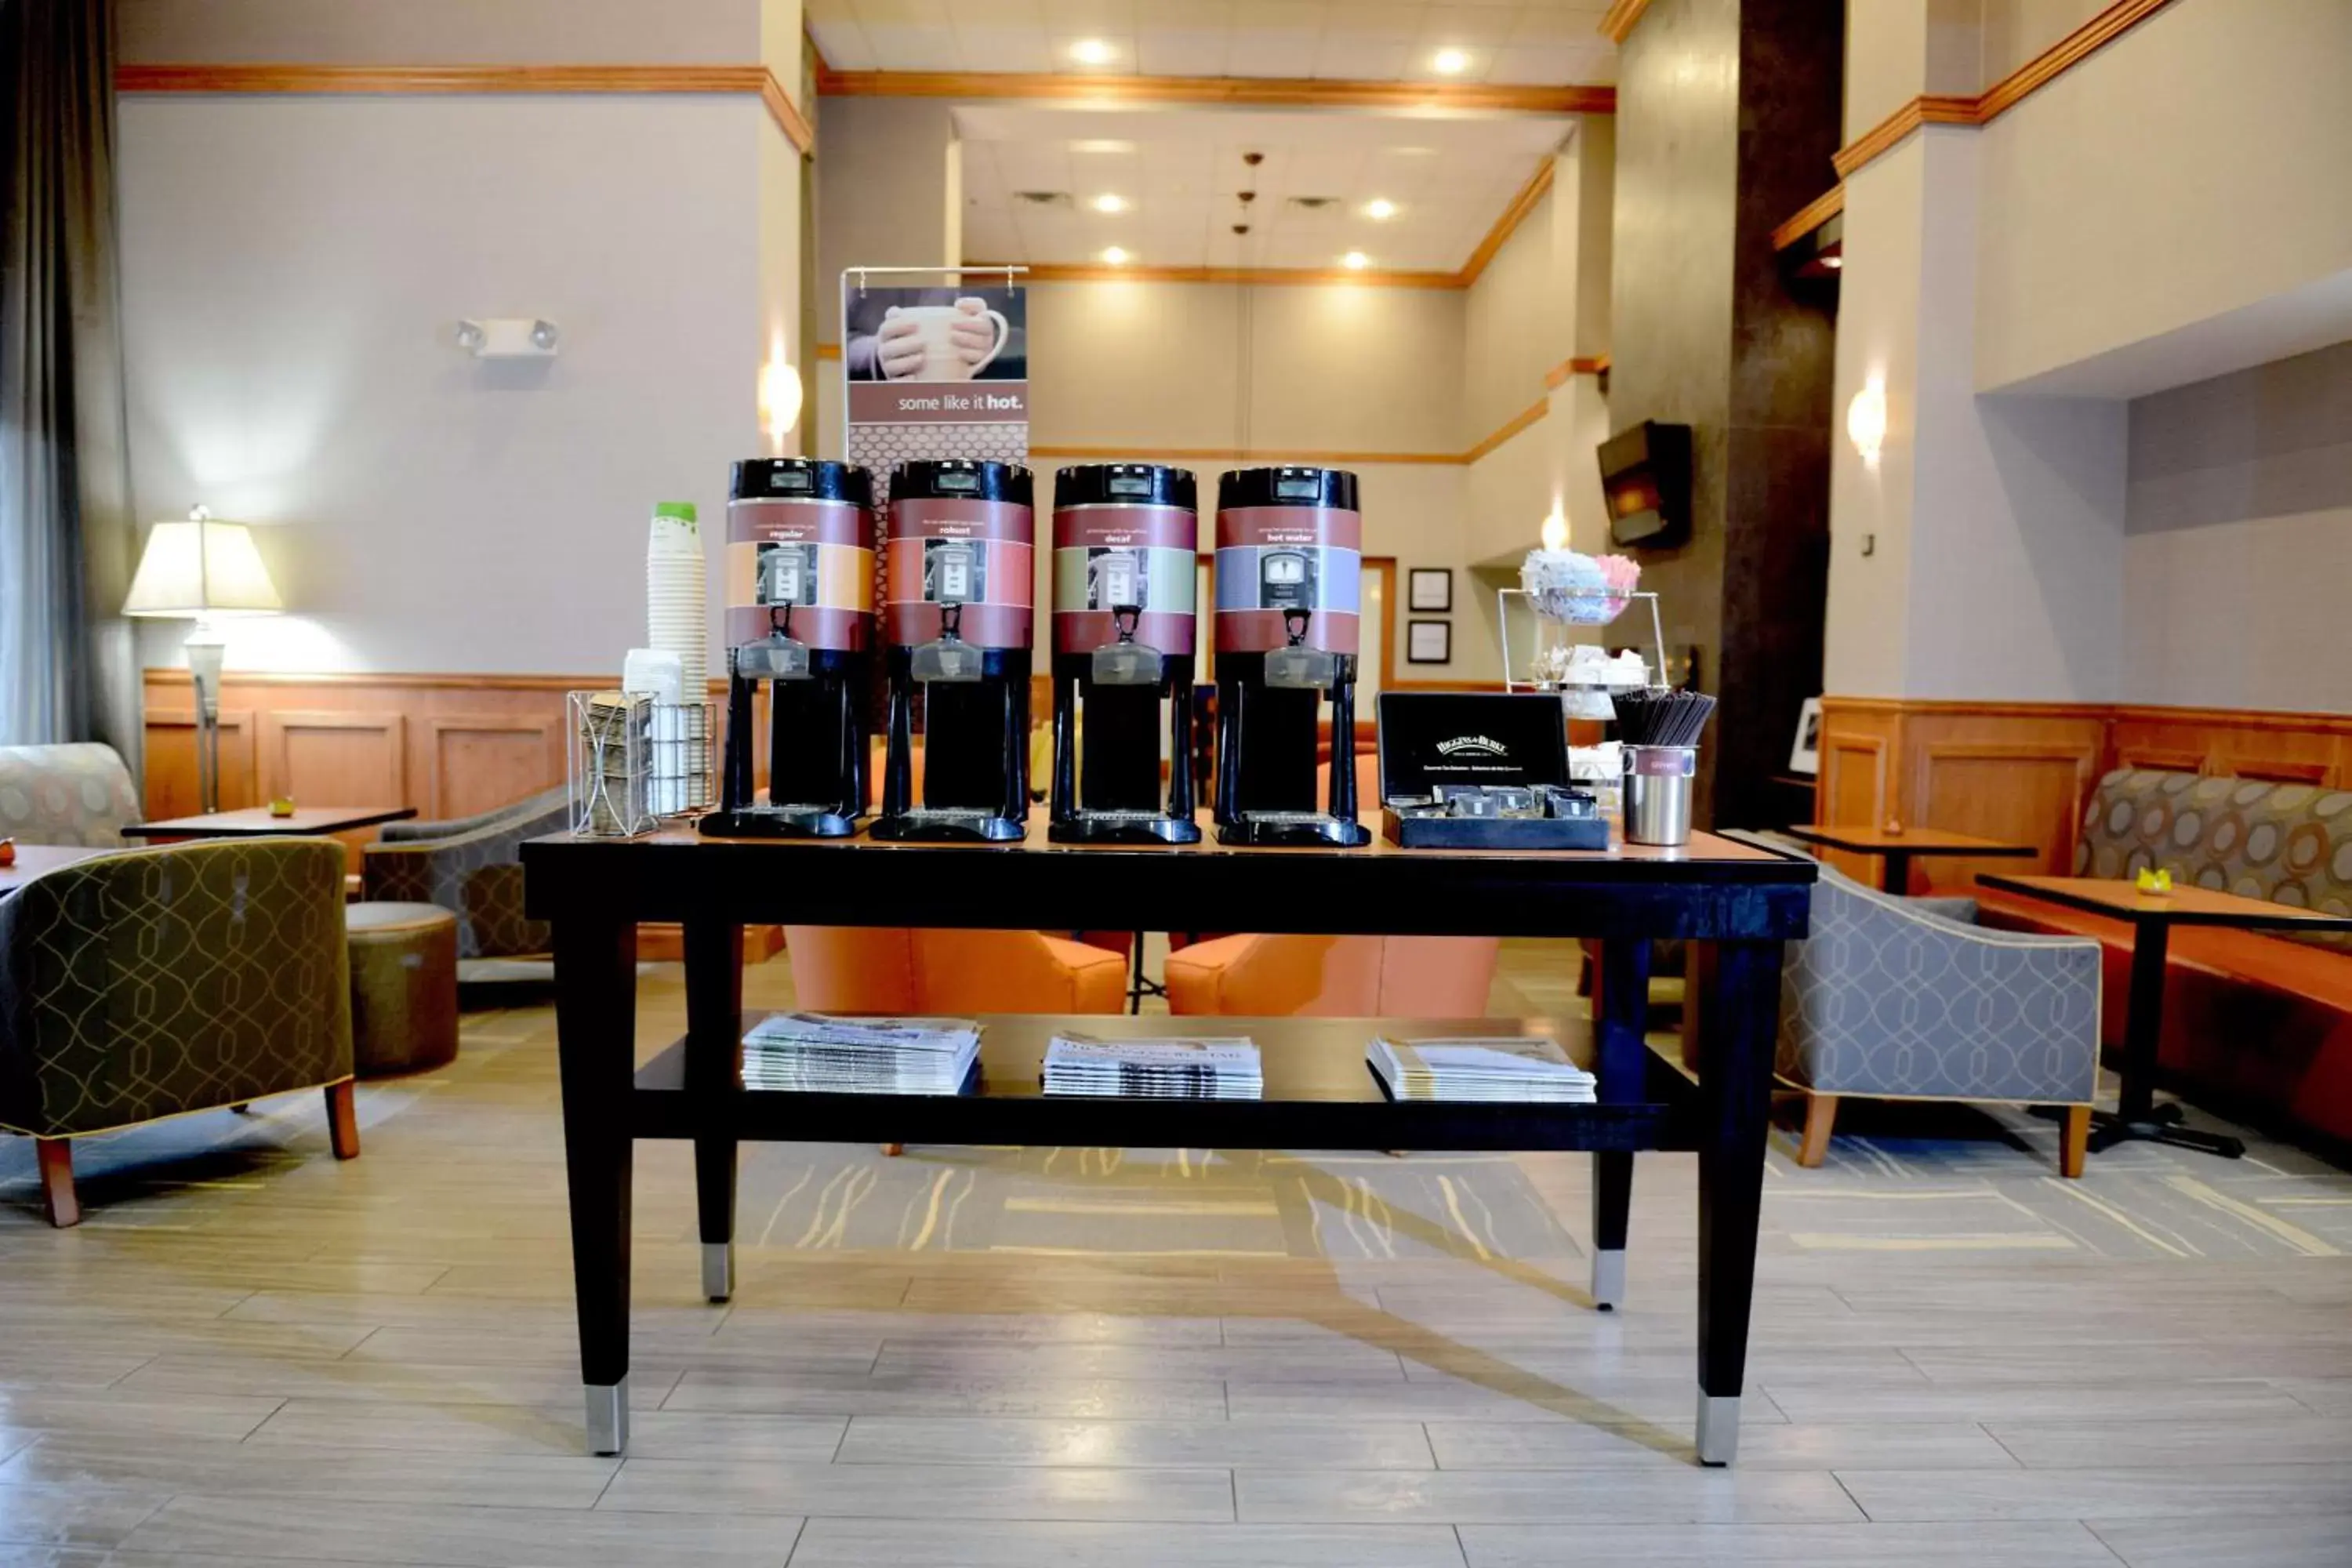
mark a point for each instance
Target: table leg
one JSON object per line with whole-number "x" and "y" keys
{"x": 1621, "y": 1012}
{"x": 714, "y": 1071}
{"x": 2137, "y": 1116}
{"x": 1894, "y": 872}
{"x": 1735, "y": 1101}
{"x": 595, "y": 1025}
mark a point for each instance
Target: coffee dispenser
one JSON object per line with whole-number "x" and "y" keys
{"x": 800, "y": 624}
{"x": 958, "y": 559}
{"x": 1126, "y": 559}
{"x": 1289, "y": 586}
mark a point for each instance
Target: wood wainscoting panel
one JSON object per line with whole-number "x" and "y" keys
{"x": 1855, "y": 782}
{"x": 2282, "y": 748}
{"x": 171, "y": 741}
{"x": 479, "y": 761}
{"x": 2018, "y": 791}
{"x": 335, "y": 756}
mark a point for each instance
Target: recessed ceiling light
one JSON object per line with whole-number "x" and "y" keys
{"x": 1100, "y": 146}
{"x": 1380, "y": 207}
{"x": 1355, "y": 261}
{"x": 1107, "y": 202}
{"x": 1113, "y": 256}
{"x": 1093, "y": 52}
{"x": 1449, "y": 62}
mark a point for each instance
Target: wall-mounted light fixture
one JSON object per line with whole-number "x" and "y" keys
{"x": 1555, "y": 529}
{"x": 508, "y": 337}
{"x": 779, "y": 398}
{"x": 1866, "y": 420}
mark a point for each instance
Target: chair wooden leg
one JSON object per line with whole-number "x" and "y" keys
{"x": 1821, "y": 1112}
{"x": 56, "y": 1156}
{"x": 2075, "y": 1143}
{"x": 894, "y": 1150}
{"x": 342, "y": 1120}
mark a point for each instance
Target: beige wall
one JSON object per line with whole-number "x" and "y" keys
{"x": 1520, "y": 318}
{"x": 454, "y": 32}
{"x": 2239, "y": 554}
{"x": 885, "y": 190}
{"x": 2197, "y": 166}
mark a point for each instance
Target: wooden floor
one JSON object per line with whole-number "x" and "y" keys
{"x": 251, "y": 1353}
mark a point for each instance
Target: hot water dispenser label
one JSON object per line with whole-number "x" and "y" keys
{"x": 1276, "y": 561}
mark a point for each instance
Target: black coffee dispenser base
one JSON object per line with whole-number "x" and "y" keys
{"x": 778, "y": 822}
{"x": 1123, "y": 827}
{"x": 1299, "y": 829}
{"x": 930, "y": 826}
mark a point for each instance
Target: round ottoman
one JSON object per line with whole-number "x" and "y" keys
{"x": 404, "y": 987}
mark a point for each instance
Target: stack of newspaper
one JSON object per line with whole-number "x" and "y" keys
{"x": 1508, "y": 1068}
{"x": 1154, "y": 1069}
{"x": 825, "y": 1054}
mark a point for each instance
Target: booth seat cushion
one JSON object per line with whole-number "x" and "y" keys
{"x": 1334, "y": 977}
{"x": 897, "y": 969}
{"x": 2251, "y": 1021}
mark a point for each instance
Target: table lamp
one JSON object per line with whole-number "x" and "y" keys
{"x": 207, "y": 571}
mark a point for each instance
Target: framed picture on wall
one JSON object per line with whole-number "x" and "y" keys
{"x": 1429, "y": 642}
{"x": 1806, "y": 757}
{"x": 1429, "y": 588}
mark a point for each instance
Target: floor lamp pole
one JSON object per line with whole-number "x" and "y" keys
{"x": 205, "y": 648}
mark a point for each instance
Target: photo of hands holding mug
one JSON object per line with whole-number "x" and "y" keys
{"x": 936, "y": 334}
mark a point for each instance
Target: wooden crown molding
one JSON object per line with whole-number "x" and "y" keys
{"x": 1618, "y": 24}
{"x": 1980, "y": 108}
{"x": 1568, "y": 370}
{"x": 1511, "y": 426}
{"x": 1810, "y": 216}
{"x": 1051, "y": 272}
{"x": 828, "y": 350}
{"x": 1533, "y": 191}
{"x": 1289, "y": 93}
{"x": 444, "y": 79}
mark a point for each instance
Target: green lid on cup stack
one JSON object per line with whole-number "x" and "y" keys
{"x": 681, "y": 509}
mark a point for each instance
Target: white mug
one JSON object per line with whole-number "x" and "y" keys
{"x": 940, "y": 359}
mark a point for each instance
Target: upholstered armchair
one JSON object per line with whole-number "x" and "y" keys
{"x": 1334, "y": 977}
{"x": 471, "y": 867}
{"x": 159, "y": 982}
{"x": 1909, "y": 999}
{"x": 893, "y": 970}
{"x": 78, "y": 795}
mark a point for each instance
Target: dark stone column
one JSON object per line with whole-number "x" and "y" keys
{"x": 1727, "y": 112}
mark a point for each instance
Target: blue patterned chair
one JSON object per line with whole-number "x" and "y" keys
{"x": 472, "y": 867}
{"x": 154, "y": 983}
{"x": 1909, "y": 999}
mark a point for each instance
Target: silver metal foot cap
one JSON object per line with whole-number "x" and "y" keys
{"x": 1718, "y": 1427}
{"x": 718, "y": 1269}
{"x": 1609, "y": 1278}
{"x": 608, "y": 1418}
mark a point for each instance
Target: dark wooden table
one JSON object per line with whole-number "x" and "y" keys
{"x": 1895, "y": 849}
{"x": 1743, "y": 901}
{"x": 255, "y": 821}
{"x": 2152, "y": 916}
{"x": 34, "y": 859}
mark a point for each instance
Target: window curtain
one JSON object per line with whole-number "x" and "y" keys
{"x": 68, "y": 668}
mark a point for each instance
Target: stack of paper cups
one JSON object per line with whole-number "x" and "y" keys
{"x": 677, "y": 623}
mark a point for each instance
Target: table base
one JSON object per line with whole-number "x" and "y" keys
{"x": 2161, "y": 1124}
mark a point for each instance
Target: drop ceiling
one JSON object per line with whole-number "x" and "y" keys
{"x": 1504, "y": 41}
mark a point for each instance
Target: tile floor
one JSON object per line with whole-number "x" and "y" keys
{"x": 251, "y": 1354}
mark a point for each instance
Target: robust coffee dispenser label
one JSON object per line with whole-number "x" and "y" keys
{"x": 1109, "y": 556}
{"x": 975, "y": 553}
{"x": 808, "y": 554}
{"x": 1273, "y": 560}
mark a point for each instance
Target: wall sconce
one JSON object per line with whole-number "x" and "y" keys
{"x": 1555, "y": 530}
{"x": 1866, "y": 420}
{"x": 510, "y": 337}
{"x": 780, "y": 400}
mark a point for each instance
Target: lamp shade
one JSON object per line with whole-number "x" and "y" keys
{"x": 200, "y": 568}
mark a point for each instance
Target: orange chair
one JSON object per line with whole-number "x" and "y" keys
{"x": 1335, "y": 977}
{"x": 897, "y": 969}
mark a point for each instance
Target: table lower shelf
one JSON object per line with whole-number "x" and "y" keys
{"x": 1320, "y": 1094}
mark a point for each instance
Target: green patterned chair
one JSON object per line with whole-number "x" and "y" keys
{"x": 155, "y": 983}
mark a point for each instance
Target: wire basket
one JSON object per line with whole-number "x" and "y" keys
{"x": 684, "y": 751}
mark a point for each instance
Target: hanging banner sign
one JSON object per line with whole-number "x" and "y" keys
{"x": 934, "y": 371}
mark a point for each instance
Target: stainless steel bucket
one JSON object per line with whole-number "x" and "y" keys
{"x": 1658, "y": 782}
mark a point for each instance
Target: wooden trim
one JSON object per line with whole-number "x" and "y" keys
{"x": 1239, "y": 455}
{"x": 1058, "y": 272}
{"x": 443, "y": 79}
{"x": 1533, "y": 191}
{"x": 1980, "y": 108}
{"x": 1253, "y": 91}
{"x": 2063, "y": 56}
{"x": 1511, "y": 426}
{"x": 172, "y": 675}
{"x": 1566, "y": 369}
{"x": 1927, "y": 109}
{"x": 1618, "y": 24}
{"x": 1810, "y": 216}
{"x": 828, "y": 350}
{"x": 1976, "y": 707}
